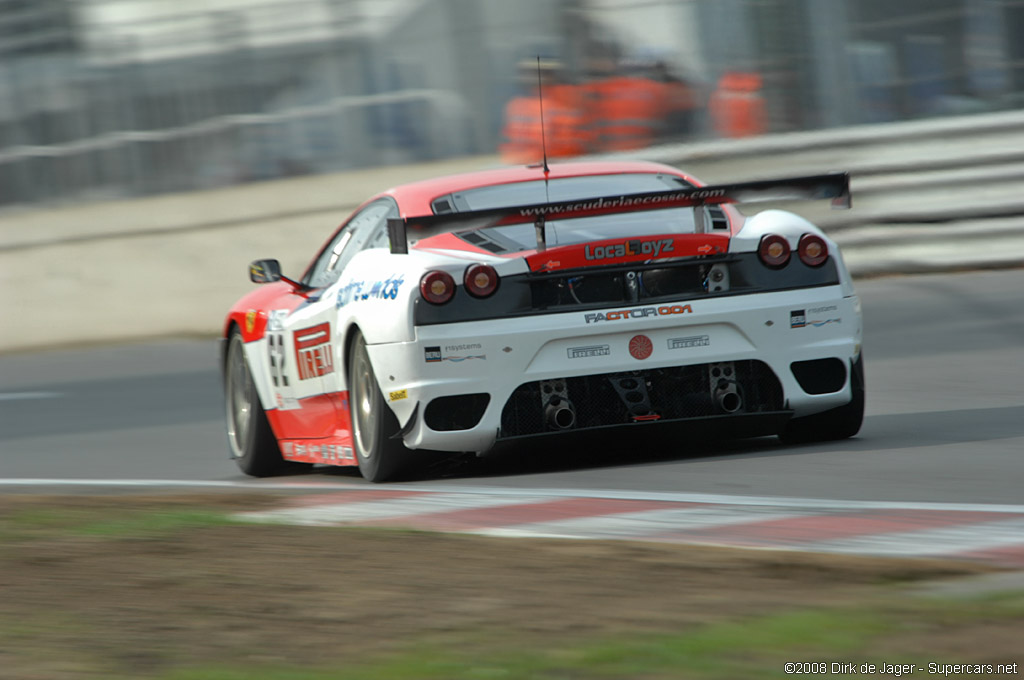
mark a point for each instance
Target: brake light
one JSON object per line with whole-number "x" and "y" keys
{"x": 773, "y": 250}
{"x": 481, "y": 280}
{"x": 437, "y": 287}
{"x": 812, "y": 250}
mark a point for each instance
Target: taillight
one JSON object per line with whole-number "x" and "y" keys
{"x": 812, "y": 250}
{"x": 437, "y": 287}
{"x": 481, "y": 280}
{"x": 773, "y": 250}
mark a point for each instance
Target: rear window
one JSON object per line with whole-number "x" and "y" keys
{"x": 518, "y": 237}
{"x": 556, "y": 190}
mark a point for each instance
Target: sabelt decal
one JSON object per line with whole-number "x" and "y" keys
{"x": 690, "y": 342}
{"x": 589, "y": 351}
{"x": 637, "y": 313}
{"x": 313, "y": 354}
{"x": 398, "y": 395}
{"x": 640, "y": 347}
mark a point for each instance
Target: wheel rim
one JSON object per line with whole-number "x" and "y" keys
{"x": 363, "y": 403}
{"x": 239, "y": 398}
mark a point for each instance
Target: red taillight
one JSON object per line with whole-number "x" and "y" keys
{"x": 481, "y": 280}
{"x": 437, "y": 287}
{"x": 773, "y": 250}
{"x": 812, "y": 250}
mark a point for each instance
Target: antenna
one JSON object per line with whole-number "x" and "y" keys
{"x": 543, "y": 138}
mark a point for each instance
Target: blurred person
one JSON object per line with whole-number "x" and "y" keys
{"x": 680, "y": 103}
{"x": 630, "y": 108}
{"x": 737, "y": 106}
{"x": 559, "y": 126}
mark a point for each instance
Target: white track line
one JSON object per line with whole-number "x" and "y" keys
{"x": 19, "y": 396}
{"x": 401, "y": 507}
{"x": 677, "y": 497}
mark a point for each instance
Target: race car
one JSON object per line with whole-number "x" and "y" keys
{"x": 498, "y": 306}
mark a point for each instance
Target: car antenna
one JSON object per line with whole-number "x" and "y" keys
{"x": 538, "y": 224}
{"x": 543, "y": 138}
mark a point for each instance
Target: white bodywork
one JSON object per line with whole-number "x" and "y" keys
{"x": 496, "y": 356}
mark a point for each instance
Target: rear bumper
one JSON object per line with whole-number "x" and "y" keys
{"x": 497, "y": 379}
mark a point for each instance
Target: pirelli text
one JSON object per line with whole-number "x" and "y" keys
{"x": 897, "y": 670}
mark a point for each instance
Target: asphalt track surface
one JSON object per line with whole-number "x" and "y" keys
{"x": 945, "y": 416}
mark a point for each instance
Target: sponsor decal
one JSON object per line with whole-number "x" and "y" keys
{"x": 637, "y": 313}
{"x": 690, "y": 342}
{"x": 250, "y": 320}
{"x": 463, "y": 347}
{"x": 822, "y": 310}
{"x": 313, "y": 451}
{"x": 275, "y": 319}
{"x": 385, "y": 289}
{"x": 433, "y": 354}
{"x": 313, "y": 353}
{"x": 631, "y": 248}
{"x": 277, "y": 359}
{"x": 398, "y": 395}
{"x": 798, "y": 317}
{"x": 286, "y": 403}
{"x": 624, "y": 201}
{"x": 589, "y": 351}
{"x": 640, "y": 347}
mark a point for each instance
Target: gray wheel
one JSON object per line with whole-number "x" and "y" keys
{"x": 250, "y": 440}
{"x": 373, "y": 423}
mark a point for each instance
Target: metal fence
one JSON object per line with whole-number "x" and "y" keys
{"x": 101, "y": 99}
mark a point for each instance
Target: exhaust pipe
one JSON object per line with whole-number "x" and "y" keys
{"x": 730, "y": 402}
{"x": 560, "y": 414}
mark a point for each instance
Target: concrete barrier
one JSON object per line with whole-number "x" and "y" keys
{"x": 171, "y": 265}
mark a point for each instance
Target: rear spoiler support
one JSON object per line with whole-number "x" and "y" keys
{"x": 834, "y": 186}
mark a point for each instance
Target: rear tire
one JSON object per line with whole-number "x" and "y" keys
{"x": 838, "y": 423}
{"x": 380, "y": 457}
{"x": 251, "y": 442}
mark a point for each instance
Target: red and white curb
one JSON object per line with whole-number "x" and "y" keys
{"x": 973, "y": 531}
{"x": 989, "y": 533}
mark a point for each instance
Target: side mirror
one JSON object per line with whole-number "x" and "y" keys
{"x": 264, "y": 271}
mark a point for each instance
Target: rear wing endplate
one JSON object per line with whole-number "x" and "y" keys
{"x": 834, "y": 186}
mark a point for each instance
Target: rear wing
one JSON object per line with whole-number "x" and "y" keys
{"x": 834, "y": 186}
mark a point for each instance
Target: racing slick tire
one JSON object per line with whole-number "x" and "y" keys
{"x": 838, "y": 423}
{"x": 251, "y": 442}
{"x": 380, "y": 456}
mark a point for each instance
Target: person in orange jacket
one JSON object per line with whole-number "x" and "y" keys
{"x": 560, "y": 126}
{"x": 737, "y": 106}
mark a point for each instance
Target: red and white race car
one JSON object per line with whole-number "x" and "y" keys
{"x": 455, "y": 313}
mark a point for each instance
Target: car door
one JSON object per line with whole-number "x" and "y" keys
{"x": 309, "y": 337}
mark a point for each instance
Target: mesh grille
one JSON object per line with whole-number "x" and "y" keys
{"x": 674, "y": 393}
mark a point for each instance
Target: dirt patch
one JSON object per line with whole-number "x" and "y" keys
{"x": 136, "y": 601}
